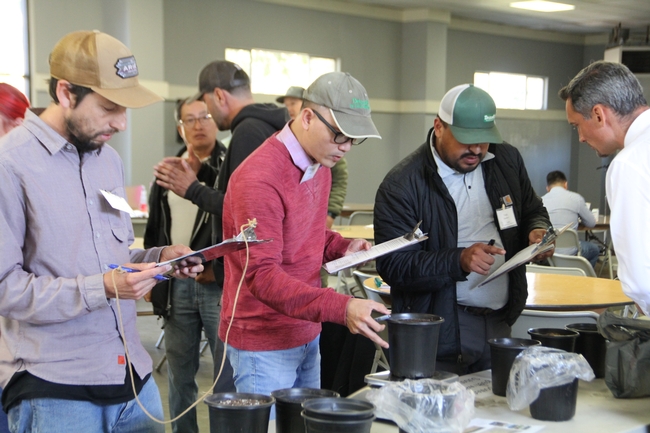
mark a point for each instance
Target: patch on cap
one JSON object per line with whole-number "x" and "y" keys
{"x": 348, "y": 101}
{"x": 126, "y": 67}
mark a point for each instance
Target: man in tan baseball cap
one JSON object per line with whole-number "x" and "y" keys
{"x": 64, "y": 366}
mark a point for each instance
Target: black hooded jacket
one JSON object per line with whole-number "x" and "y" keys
{"x": 423, "y": 276}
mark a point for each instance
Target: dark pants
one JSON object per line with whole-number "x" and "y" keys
{"x": 475, "y": 331}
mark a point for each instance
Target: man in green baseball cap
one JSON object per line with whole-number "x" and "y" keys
{"x": 472, "y": 195}
{"x": 273, "y": 342}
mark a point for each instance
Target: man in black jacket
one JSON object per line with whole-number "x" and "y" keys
{"x": 468, "y": 187}
{"x": 190, "y": 305}
{"x": 225, "y": 88}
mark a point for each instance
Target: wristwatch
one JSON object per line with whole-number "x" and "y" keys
{"x": 331, "y": 214}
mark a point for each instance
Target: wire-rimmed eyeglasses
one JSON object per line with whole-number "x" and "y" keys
{"x": 190, "y": 121}
{"x": 339, "y": 137}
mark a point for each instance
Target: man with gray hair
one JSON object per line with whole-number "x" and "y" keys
{"x": 605, "y": 104}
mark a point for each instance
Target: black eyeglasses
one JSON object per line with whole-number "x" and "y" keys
{"x": 339, "y": 137}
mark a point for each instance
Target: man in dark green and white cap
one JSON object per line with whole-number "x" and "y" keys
{"x": 273, "y": 341}
{"x": 474, "y": 198}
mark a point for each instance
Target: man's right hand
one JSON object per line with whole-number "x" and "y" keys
{"x": 359, "y": 320}
{"x": 478, "y": 258}
{"x": 133, "y": 285}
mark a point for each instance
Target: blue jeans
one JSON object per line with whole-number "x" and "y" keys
{"x": 194, "y": 307}
{"x": 51, "y": 415}
{"x": 266, "y": 371}
{"x": 589, "y": 251}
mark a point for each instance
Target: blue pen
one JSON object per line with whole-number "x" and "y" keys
{"x": 125, "y": 269}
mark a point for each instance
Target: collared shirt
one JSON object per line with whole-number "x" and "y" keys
{"x": 57, "y": 236}
{"x": 298, "y": 154}
{"x": 628, "y": 194}
{"x": 475, "y": 224}
{"x": 565, "y": 207}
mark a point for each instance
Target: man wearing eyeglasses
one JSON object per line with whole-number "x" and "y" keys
{"x": 189, "y": 305}
{"x": 273, "y": 340}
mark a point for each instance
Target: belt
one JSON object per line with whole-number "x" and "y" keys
{"x": 476, "y": 311}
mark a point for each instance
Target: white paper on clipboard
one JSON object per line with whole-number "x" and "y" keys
{"x": 376, "y": 251}
{"x": 527, "y": 254}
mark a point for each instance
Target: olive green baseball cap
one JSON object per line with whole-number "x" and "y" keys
{"x": 348, "y": 102}
{"x": 470, "y": 113}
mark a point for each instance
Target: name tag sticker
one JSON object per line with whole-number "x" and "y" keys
{"x": 116, "y": 201}
{"x": 506, "y": 217}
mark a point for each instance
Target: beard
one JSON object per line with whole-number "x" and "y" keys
{"x": 83, "y": 141}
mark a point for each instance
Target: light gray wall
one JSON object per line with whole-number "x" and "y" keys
{"x": 173, "y": 40}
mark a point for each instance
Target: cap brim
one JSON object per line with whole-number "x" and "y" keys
{"x": 129, "y": 97}
{"x": 280, "y": 99}
{"x": 476, "y": 136}
{"x": 354, "y": 125}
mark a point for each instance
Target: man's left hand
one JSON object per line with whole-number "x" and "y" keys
{"x": 536, "y": 236}
{"x": 188, "y": 268}
{"x": 359, "y": 320}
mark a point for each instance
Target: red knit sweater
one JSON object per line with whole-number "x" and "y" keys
{"x": 280, "y": 304}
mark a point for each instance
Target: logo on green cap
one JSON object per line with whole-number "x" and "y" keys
{"x": 488, "y": 118}
{"x": 362, "y": 104}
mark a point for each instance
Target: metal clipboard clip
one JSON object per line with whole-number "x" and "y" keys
{"x": 415, "y": 234}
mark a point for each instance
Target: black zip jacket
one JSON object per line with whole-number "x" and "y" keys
{"x": 423, "y": 276}
{"x": 158, "y": 230}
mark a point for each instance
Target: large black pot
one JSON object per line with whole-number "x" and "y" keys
{"x": 234, "y": 412}
{"x": 413, "y": 340}
{"x": 557, "y": 338}
{"x": 288, "y": 405}
{"x": 503, "y": 352}
{"x": 557, "y": 403}
{"x": 591, "y": 345}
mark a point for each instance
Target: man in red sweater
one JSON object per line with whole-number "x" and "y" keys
{"x": 273, "y": 341}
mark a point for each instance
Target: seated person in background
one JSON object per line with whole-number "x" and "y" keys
{"x": 565, "y": 207}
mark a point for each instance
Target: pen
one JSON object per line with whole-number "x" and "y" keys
{"x": 125, "y": 269}
{"x": 491, "y": 243}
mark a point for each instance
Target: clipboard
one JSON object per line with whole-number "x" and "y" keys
{"x": 221, "y": 249}
{"x": 527, "y": 254}
{"x": 345, "y": 262}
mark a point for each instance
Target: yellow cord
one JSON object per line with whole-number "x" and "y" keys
{"x": 251, "y": 223}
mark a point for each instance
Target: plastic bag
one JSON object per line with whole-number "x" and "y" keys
{"x": 540, "y": 367}
{"x": 425, "y": 405}
{"x": 627, "y": 363}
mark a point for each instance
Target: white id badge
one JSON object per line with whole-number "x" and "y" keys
{"x": 506, "y": 217}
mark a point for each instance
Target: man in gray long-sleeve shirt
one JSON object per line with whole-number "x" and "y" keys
{"x": 63, "y": 362}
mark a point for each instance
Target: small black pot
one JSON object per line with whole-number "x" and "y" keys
{"x": 288, "y": 406}
{"x": 318, "y": 425}
{"x": 228, "y": 417}
{"x": 337, "y": 408}
{"x": 413, "y": 340}
{"x": 557, "y": 403}
{"x": 557, "y": 338}
{"x": 591, "y": 345}
{"x": 503, "y": 352}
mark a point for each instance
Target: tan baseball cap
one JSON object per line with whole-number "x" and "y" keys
{"x": 99, "y": 61}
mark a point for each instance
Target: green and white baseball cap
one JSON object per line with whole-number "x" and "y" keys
{"x": 470, "y": 113}
{"x": 348, "y": 102}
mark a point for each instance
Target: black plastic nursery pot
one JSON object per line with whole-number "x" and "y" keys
{"x": 233, "y": 412}
{"x": 557, "y": 403}
{"x": 288, "y": 406}
{"x": 316, "y": 425}
{"x": 413, "y": 340}
{"x": 503, "y": 352}
{"x": 327, "y": 415}
{"x": 557, "y": 338}
{"x": 591, "y": 345}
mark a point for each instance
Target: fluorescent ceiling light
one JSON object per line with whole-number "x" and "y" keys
{"x": 542, "y": 6}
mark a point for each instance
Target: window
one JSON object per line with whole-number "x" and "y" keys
{"x": 514, "y": 91}
{"x": 273, "y": 72}
{"x": 14, "y": 60}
